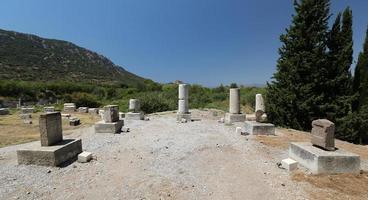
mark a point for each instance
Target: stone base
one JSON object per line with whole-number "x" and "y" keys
{"x": 134, "y": 116}
{"x": 257, "y": 128}
{"x": 231, "y": 118}
{"x": 319, "y": 161}
{"x": 186, "y": 116}
{"x": 50, "y": 155}
{"x": 105, "y": 127}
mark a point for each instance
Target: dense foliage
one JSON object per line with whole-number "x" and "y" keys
{"x": 313, "y": 78}
{"x": 154, "y": 97}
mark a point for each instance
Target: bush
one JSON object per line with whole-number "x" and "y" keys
{"x": 82, "y": 99}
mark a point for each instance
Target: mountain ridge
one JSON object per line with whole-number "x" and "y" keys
{"x": 28, "y": 57}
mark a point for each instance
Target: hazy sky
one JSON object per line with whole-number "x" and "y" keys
{"x": 198, "y": 41}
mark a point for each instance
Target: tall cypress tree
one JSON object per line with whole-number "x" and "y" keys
{"x": 360, "y": 85}
{"x": 296, "y": 95}
{"x": 339, "y": 92}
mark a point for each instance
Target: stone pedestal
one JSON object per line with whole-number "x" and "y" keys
{"x": 27, "y": 110}
{"x": 323, "y": 134}
{"x": 93, "y": 111}
{"x": 134, "y": 116}
{"x": 53, "y": 150}
{"x": 134, "y": 106}
{"x": 257, "y": 128}
{"x": 50, "y": 155}
{"x": 111, "y": 113}
{"x": 69, "y": 107}
{"x": 319, "y": 161}
{"x": 108, "y": 127}
{"x": 49, "y": 109}
{"x": 231, "y": 118}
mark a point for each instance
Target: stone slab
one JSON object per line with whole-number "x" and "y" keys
{"x": 27, "y": 110}
{"x": 49, "y": 109}
{"x": 112, "y": 127}
{"x": 319, "y": 161}
{"x": 186, "y": 116}
{"x": 134, "y": 116}
{"x": 289, "y": 164}
{"x": 83, "y": 109}
{"x": 257, "y": 128}
{"x": 51, "y": 155}
{"x": 323, "y": 134}
{"x": 231, "y": 118}
{"x": 84, "y": 157}
{"x": 4, "y": 111}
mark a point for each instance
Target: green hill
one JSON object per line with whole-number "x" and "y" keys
{"x": 31, "y": 58}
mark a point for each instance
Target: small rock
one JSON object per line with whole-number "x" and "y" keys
{"x": 49, "y": 171}
{"x": 283, "y": 184}
{"x": 28, "y": 192}
{"x": 74, "y": 166}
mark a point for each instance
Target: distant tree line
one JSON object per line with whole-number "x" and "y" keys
{"x": 313, "y": 78}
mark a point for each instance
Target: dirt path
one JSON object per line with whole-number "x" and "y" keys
{"x": 159, "y": 159}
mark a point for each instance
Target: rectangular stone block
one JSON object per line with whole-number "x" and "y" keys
{"x": 49, "y": 109}
{"x": 111, "y": 113}
{"x": 323, "y": 134}
{"x": 289, "y": 164}
{"x": 134, "y": 116}
{"x": 231, "y": 118}
{"x": 121, "y": 115}
{"x": 257, "y": 128}
{"x": 319, "y": 161}
{"x": 27, "y": 110}
{"x": 83, "y": 109}
{"x": 93, "y": 111}
{"x": 50, "y": 128}
{"x": 25, "y": 116}
{"x": 112, "y": 127}
{"x": 84, "y": 157}
{"x": 50, "y": 155}
{"x": 74, "y": 122}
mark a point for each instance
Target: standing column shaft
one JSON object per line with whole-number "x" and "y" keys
{"x": 234, "y": 105}
{"x": 183, "y": 103}
{"x": 259, "y": 103}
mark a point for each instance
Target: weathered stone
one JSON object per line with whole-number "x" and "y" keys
{"x": 323, "y": 134}
{"x": 111, "y": 113}
{"x": 49, "y": 109}
{"x": 289, "y": 164}
{"x": 66, "y": 116}
{"x": 109, "y": 127}
{"x": 69, "y": 107}
{"x": 4, "y": 111}
{"x": 231, "y": 118}
{"x": 84, "y": 157}
{"x": 260, "y": 108}
{"x": 238, "y": 130}
{"x": 93, "y": 111}
{"x": 83, "y": 109}
{"x": 49, "y": 155}
{"x": 183, "y": 106}
{"x": 121, "y": 115}
{"x": 74, "y": 122}
{"x": 50, "y": 128}
{"x": 134, "y": 116}
{"x": 256, "y": 128}
{"x": 234, "y": 105}
{"x": 125, "y": 129}
{"x": 183, "y": 91}
{"x": 134, "y": 106}
{"x": 27, "y": 110}
{"x": 319, "y": 161}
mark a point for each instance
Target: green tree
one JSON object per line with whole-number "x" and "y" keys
{"x": 339, "y": 83}
{"x": 296, "y": 95}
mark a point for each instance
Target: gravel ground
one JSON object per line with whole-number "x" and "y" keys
{"x": 158, "y": 159}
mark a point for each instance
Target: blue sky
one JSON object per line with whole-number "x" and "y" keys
{"x": 198, "y": 41}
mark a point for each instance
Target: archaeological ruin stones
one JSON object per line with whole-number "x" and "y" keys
{"x": 234, "y": 114}
{"x": 183, "y": 103}
{"x": 135, "y": 112}
{"x": 53, "y": 150}
{"x": 323, "y": 134}
{"x": 110, "y": 122}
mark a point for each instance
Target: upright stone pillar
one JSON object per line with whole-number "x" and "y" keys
{"x": 135, "y": 112}
{"x": 234, "y": 114}
{"x": 110, "y": 122}
{"x": 183, "y": 103}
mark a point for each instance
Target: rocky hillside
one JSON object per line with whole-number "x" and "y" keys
{"x": 31, "y": 58}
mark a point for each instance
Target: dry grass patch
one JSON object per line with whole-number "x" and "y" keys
{"x": 339, "y": 186}
{"x": 283, "y": 138}
{"x": 14, "y": 131}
